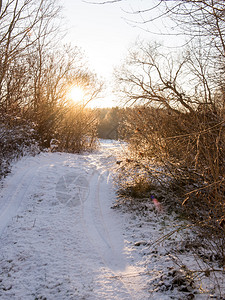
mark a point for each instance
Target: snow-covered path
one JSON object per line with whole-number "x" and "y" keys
{"x": 60, "y": 239}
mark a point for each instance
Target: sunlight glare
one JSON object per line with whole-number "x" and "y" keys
{"x": 76, "y": 94}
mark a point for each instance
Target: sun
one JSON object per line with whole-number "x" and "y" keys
{"x": 76, "y": 93}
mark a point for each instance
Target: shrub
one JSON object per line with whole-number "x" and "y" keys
{"x": 18, "y": 137}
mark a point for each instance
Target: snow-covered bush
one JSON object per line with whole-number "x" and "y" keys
{"x": 17, "y": 138}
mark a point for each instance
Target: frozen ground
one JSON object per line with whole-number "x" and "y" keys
{"x": 60, "y": 238}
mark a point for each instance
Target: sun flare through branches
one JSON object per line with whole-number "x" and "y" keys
{"x": 76, "y": 94}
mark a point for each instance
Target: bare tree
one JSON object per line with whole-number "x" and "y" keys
{"x": 52, "y": 76}
{"x": 23, "y": 24}
{"x": 37, "y": 71}
{"x": 177, "y": 82}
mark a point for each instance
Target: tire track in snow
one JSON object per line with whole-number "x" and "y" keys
{"x": 17, "y": 189}
{"x": 117, "y": 259}
{"x": 98, "y": 235}
{"x": 122, "y": 269}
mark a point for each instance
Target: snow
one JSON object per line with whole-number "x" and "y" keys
{"x": 61, "y": 239}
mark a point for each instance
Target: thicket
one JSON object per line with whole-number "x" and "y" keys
{"x": 175, "y": 123}
{"x": 36, "y": 74}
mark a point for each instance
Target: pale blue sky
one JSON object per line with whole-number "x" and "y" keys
{"x": 103, "y": 33}
{"x": 100, "y": 31}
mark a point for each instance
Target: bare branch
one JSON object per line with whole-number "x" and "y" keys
{"x": 103, "y": 2}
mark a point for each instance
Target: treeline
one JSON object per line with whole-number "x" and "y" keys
{"x": 109, "y": 122}
{"x": 36, "y": 73}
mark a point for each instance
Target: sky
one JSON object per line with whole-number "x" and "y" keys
{"x": 105, "y": 35}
